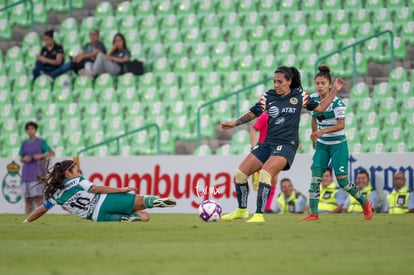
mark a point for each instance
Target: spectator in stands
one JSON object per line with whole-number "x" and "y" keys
{"x": 85, "y": 59}
{"x": 351, "y": 205}
{"x": 260, "y": 126}
{"x": 113, "y": 61}
{"x": 332, "y": 198}
{"x": 50, "y": 58}
{"x": 289, "y": 200}
{"x": 401, "y": 199}
{"x": 32, "y": 152}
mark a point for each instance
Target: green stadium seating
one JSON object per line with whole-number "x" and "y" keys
{"x": 387, "y": 104}
{"x": 124, "y": 9}
{"x": 382, "y": 90}
{"x": 187, "y": 7}
{"x": 392, "y": 120}
{"x": 56, "y": 6}
{"x": 19, "y": 15}
{"x": 53, "y": 125}
{"x": 5, "y": 26}
{"x": 369, "y": 119}
{"x": 103, "y": 10}
{"x": 25, "y": 112}
{"x": 252, "y": 19}
{"x": 51, "y": 110}
{"x": 203, "y": 150}
{"x": 39, "y": 13}
{"x": 224, "y": 150}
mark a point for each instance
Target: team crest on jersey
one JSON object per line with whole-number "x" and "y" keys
{"x": 273, "y": 111}
{"x": 11, "y": 186}
{"x": 293, "y": 101}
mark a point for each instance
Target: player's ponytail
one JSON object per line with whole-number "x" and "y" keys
{"x": 53, "y": 177}
{"x": 324, "y": 71}
{"x": 291, "y": 73}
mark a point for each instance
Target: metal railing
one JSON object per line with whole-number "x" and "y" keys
{"x": 117, "y": 138}
{"x": 353, "y": 46}
{"x": 31, "y": 10}
{"x": 236, "y": 94}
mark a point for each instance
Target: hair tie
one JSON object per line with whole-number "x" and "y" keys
{"x": 69, "y": 167}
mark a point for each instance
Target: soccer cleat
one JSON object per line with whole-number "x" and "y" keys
{"x": 164, "y": 202}
{"x": 256, "y": 218}
{"x": 237, "y": 214}
{"x": 367, "y": 208}
{"x": 310, "y": 217}
{"x": 131, "y": 218}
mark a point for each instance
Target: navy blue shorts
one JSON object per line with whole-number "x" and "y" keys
{"x": 264, "y": 151}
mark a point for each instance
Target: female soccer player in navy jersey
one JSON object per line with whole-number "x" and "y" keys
{"x": 277, "y": 152}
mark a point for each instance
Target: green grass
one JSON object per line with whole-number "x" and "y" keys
{"x": 183, "y": 244}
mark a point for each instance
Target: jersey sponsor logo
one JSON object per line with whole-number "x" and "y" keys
{"x": 11, "y": 186}
{"x": 341, "y": 169}
{"x": 293, "y": 101}
{"x": 273, "y": 111}
{"x": 290, "y": 110}
{"x": 280, "y": 120}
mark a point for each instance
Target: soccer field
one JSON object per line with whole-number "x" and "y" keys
{"x": 183, "y": 244}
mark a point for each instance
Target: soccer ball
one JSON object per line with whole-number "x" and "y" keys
{"x": 210, "y": 211}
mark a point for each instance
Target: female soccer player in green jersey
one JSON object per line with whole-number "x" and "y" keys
{"x": 328, "y": 137}
{"x": 65, "y": 186}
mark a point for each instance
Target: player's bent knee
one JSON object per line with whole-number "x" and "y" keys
{"x": 265, "y": 177}
{"x": 240, "y": 177}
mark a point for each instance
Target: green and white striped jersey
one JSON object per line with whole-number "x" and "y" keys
{"x": 335, "y": 111}
{"x": 76, "y": 198}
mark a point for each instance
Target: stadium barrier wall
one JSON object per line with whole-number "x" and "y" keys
{"x": 192, "y": 179}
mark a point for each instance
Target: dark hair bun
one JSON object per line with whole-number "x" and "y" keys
{"x": 324, "y": 69}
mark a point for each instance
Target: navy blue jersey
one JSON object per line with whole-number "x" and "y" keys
{"x": 284, "y": 115}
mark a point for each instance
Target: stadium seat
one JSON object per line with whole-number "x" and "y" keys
{"x": 386, "y": 104}
{"x": 103, "y": 10}
{"x": 5, "y": 26}
{"x": 368, "y": 119}
{"x": 392, "y": 120}
{"x": 13, "y": 55}
{"x": 19, "y": 15}
{"x": 382, "y": 90}
{"x": 108, "y": 23}
{"x": 397, "y": 76}
{"x": 39, "y": 13}
{"x": 224, "y": 150}
{"x": 52, "y": 110}
{"x": 203, "y": 150}
{"x": 124, "y": 9}
{"x": 53, "y": 126}
{"x": 56, "y": 5}
{"x": 87, "y": 24}
{"x": 70, "y": 110}
{"x": 25, "y": 112}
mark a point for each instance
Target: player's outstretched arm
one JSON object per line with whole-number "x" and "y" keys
{"x": 249, "y": 116}
{"x": 337, "y": 86}
{"x": 37, "y": 213}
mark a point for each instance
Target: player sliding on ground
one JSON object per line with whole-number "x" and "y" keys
{"x": 65, "y": 186}
{"x": 277, "y": 152}
{"x": 329, "y": 141}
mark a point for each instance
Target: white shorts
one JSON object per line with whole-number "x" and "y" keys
{"x": 31, "y": 189}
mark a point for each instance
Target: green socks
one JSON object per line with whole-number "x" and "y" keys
{"x": 352, "y": 189}
{"x": 149, "y": 200}
{"x": 314, "y": 190}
